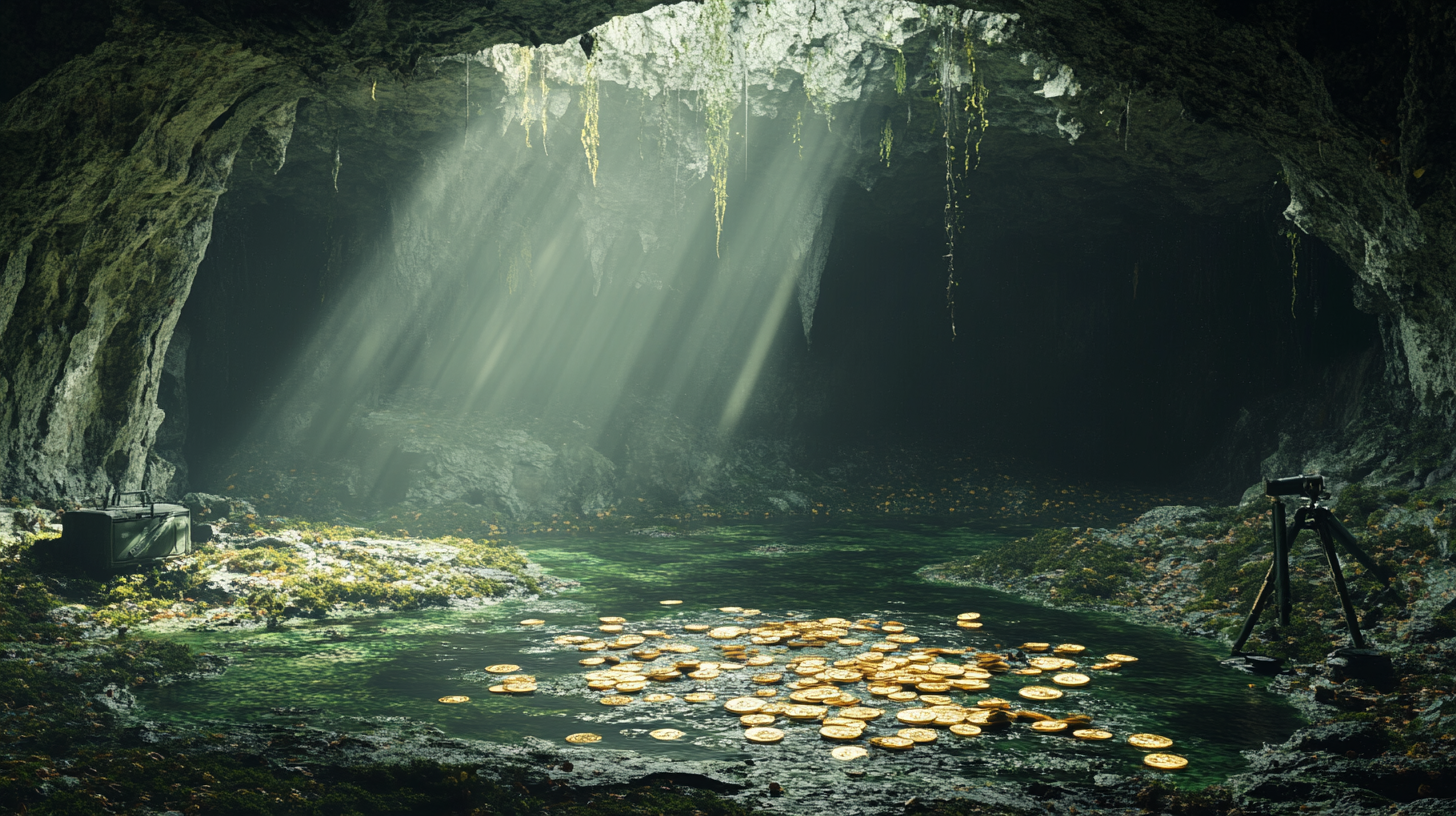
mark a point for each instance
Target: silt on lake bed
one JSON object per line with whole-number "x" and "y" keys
{"x": 841, "y": 622}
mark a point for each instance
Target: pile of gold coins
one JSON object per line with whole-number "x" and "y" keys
{"x": 849, "y": 700}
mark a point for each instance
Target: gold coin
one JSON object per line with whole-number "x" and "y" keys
{"x": 756, "y": 720}
{"x": 1165, "y": 762}
{"x": 1045, "y": 663}
{"x": 1121, "y": 658}
{"x": 765, "y": 693}
{"x": 1110, "y": 665}
{"x": 892, "y": 627}
{"x": 814, "y": 695}
{"x": 532, "y": 622}
{"x": 518, "y": 678}
{"x": 767, "y": 679}
{"x": 615, "y": 700}
{"x": 583, "y": 739}
{"x": 654, "y": 633}
{"x": 950, "y": 717}
{"x": 881, "y": 691}
{"x": 1150, "y": 742}
{"x": 730, "y": 609}
{"x": 611, "y": 628}
{"x": 848, "y": 752}
{"x": 842, "y": 721}
{"x": 921, "y": 735}
{"x": 520, "y": 688}
{"x": 969, "y": 616}
{"x": 503, "y": 668}
{"x": 748, "y": 613}
{"x": 1048, "y": 726}
{"x": 592, "y": 646}
{"x": 700, "y": 697}
{"x": 965, "y": 730}
{"x": 658, "y": 698}
{"x": 946, "y": 670}
{"x": 666, "y": 734}
{"x": 850, "y": 642}
{"x": 1071, "y": 679}
{"x": 727, "y": 632}
{"x": 611, "y": 620}
{"x": 1035, "y": 647}
{"x": 631, "y": 686}
{"x": 764, "y": 735}
{"x": 592, "y": 661}
{"x": 497, "y": 689}
{"x": 744, "y": 705}
{"x": 1039, "y": 692}
{"x": 804, "y": 712}
{"x": 902, "y": 639}
{"x": 455, "y": 698}
{"x": 1069, "y": 648}
{"x": 932, "y": 687}
{"x": 1092, "y": 734}
{"x": 969, "y": 624}
{"x": 997, "y": 702}
{"x": 730, "y": 667}
{"x": 1027, "y": 672}
{"x": 704, "y": 674}
{"x": 893, "y": 743}
{"x": 969, "y": 685}
{"x": 916, "y": 716}
{"x": 679, "y": 648}
{"x": 902, "y": 696}
{"x": 696, "y": 627}
{"x": 840, "y": 732}
{"x": 760, "y": 660}
{"x": 670, "y": 603}
{"x": 864, "y": 713}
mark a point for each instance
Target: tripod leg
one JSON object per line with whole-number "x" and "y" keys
{"x": 1283, "y": 544}
{"x": 1340, "y": 588}
{"x": 1353, "y": 548}
{"x": 1259, "y": 603}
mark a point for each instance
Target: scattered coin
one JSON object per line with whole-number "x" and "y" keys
{"x": 1071, "y": 679}
{"x": 1035, "y": 647}
{"x": 583, "y": 739}
{"x": 615, "y": 700}
{"x": 756, "y": 720}
{"x": 520, "y": 688}
{"x": 532, "y": 622}
{"x": 631, "y": 686}
{"x": 804, "y": 712}
{"x": 1048, "y": 726}
{"x": 497, "y": 689}
{"x": 696, "y": 627}
{"x": 1110, "y": 665}
{"x": 840, "y": 732}
{"x": 1092, "y": 734}
{"x": 916, "y": 716}
{"x": 666, "y": 734}
{"x": 969, "y": 624}
{"x": 848, "y": 752}
{"x": 669, "y": 603}
{"x": 658, "y": 698}
{"x": 1151, "y": 742}
{"x": 744, "y": 705}
{"x": 730, "y": 609}
{"x": 969, "y": 616}
{"x": 700, "y": 697}
{"x": 920, "y": 735}
{"x": 863, "y": 713}
{"x": 893, "y": 743}
{"x": 503, "y": 668}
{"x": 592, "y": 661}
{"x": 1039, "y": 692}
{"x": 764, "y": 735}
{"x": 965, "y": 730}
{"x": 455, "y": 698}
{"x": 1121, "y": 658}
{"x": 1165, "y": 762}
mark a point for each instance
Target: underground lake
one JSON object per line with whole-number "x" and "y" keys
{"x": 353, "y": 672}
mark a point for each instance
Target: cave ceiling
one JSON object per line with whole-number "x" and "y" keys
{"x": 125, "y": 122}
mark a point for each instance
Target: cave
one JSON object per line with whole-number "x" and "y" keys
{"x": 1027, "y": 296}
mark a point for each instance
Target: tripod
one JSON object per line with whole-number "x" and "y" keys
{"x": 1311, "y": 516}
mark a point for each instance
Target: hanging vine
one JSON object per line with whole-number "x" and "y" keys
{"x": 525, "y": 55}
{"x": 975, "y": 106}
{"x": 590, "y": 101}
{"x": 718, "y": 103}
{"x": 887, "y": 142}
{"x": 947, "y": 81}
{"x": 1292, "y": 235}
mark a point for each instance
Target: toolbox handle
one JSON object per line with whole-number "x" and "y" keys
{"x": 146, "y": 499}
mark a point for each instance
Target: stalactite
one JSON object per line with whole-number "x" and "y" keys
{"x": 717, "y": 105}
{"x": 1292, "y": 235}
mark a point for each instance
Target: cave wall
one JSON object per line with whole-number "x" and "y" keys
{"x": 113, "y": 164}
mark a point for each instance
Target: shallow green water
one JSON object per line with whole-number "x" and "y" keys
{"x": 398, "y": 665}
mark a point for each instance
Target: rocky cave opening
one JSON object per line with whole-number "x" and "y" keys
{"x": 401, "y": 300}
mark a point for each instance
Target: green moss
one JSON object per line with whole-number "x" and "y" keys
{"x": 1090, "y": 570}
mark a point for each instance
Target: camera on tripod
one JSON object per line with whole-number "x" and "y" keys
{"x": 1310, "y": 516}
